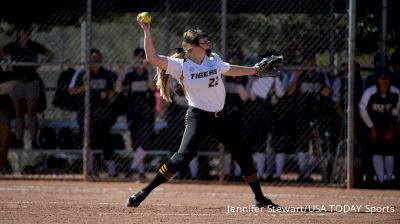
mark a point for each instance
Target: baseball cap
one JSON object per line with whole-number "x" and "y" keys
{"x": 139, "y": 52}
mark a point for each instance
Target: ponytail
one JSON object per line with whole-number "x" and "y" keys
{"x": 164, "y": 81}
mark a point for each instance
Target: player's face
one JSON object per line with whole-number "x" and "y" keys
{"x": 384, "y": 81}
{"x": 96, "y": 59}
{"x": 23, "y": 34}
{"x": 204, "y": 43}
{"x": 139, "y": 60}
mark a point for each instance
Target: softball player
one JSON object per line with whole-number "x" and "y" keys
{"x": 200, "y": 76}
{"x": 379, "y": 109}
{"x": 308, "y": 87}
{"x": 137, "y": 84}
{"x": 102, "y": 83}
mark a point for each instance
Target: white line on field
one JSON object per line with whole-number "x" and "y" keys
{"x": 67, "y": 189}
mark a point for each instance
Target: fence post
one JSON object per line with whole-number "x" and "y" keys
{"x": 223, "y": 28}
{"x": 86, "y": 131}
{"x": 350, "y": 95}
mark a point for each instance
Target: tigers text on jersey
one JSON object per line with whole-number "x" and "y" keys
{"x": 202, "y": 83}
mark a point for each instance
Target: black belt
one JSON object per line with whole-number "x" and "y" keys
{"x": 213, "y": 114}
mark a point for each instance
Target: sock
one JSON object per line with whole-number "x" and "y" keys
{"x": 237, "y": 170}
{"x": 141, "y": 167}
{"x": 302, "y": 159}
{"x": 91, "y": 163}
{"x": 111, "y": 167}
{"x": 252, "y": 180}
{"x": 138, "y": 158}
{"x": 193, "y": 167}
{"x": 162, "y": 176}
{"x": 260, "y": 161}
{"x": 389, "y": 164}
{"x": 227, "y": 165}
{"x": 313, "y": 161}
{"x": 280, "y": 163}
{"x": 377, "y": 161}
{"x": 270, "y": 161}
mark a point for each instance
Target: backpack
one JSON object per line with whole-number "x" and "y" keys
{"x": 48, "y": 138}
{"x": 66, "y": 139}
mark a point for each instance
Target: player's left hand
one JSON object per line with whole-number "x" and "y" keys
{"x": 269, "y": 67}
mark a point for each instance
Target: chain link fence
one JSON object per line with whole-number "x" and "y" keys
{"x": 295, "y": 127}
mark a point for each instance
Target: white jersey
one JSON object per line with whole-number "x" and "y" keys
{"x": 202, "y": 83}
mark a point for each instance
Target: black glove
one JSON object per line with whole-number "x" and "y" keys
{"x": 269, "y": 66}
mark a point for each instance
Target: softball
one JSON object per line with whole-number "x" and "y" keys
{"x": 146, "y": 17}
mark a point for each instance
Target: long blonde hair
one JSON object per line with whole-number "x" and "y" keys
{"x": 164, "y": 81}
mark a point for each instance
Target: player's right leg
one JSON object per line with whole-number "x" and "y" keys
{"x": 195, "y": 132}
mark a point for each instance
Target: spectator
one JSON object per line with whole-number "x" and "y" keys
{"x": 264, "y": 94}
{"x": 308, "y": 87}
{"x": 395, "y": 64}
{"x": 338, "y": 117}
{"x": 6, "y": 112}
{"x": 379, "y": 109}
{"x": 138, "y": 86}
{"x": 331, "y": 123}
{"x": 372, "y": 77}
{"x": 62, "y": 99}
{"x": 283, "y": 131}
{"x": 26, "y": 92}
{"x": 102, "y": 117}
{"x": 236, "y": 96}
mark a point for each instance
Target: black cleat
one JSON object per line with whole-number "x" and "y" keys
{"x": 135, "y": 200}
{"x": 265, "y": 202}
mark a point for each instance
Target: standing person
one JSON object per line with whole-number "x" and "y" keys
{"x": 200, "y": 76}
{"x": 102, "y": 117}
{"x": 395, "y": 80}
{"x": 25, "y": 93}
{"x": 264, "y": 94}
{"x": 379, "y": 109}
{"x": 6, "y": 112}
{"x": 236, "y": 96}
{"x": 308, "y": 88}
{"x": 395, "y": 64}
{"x": 137, "y": 84}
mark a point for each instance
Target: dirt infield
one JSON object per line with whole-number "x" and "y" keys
{"x": 87, "y": 202}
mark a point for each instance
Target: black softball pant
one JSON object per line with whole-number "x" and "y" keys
{"x": 198, "y": 124}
